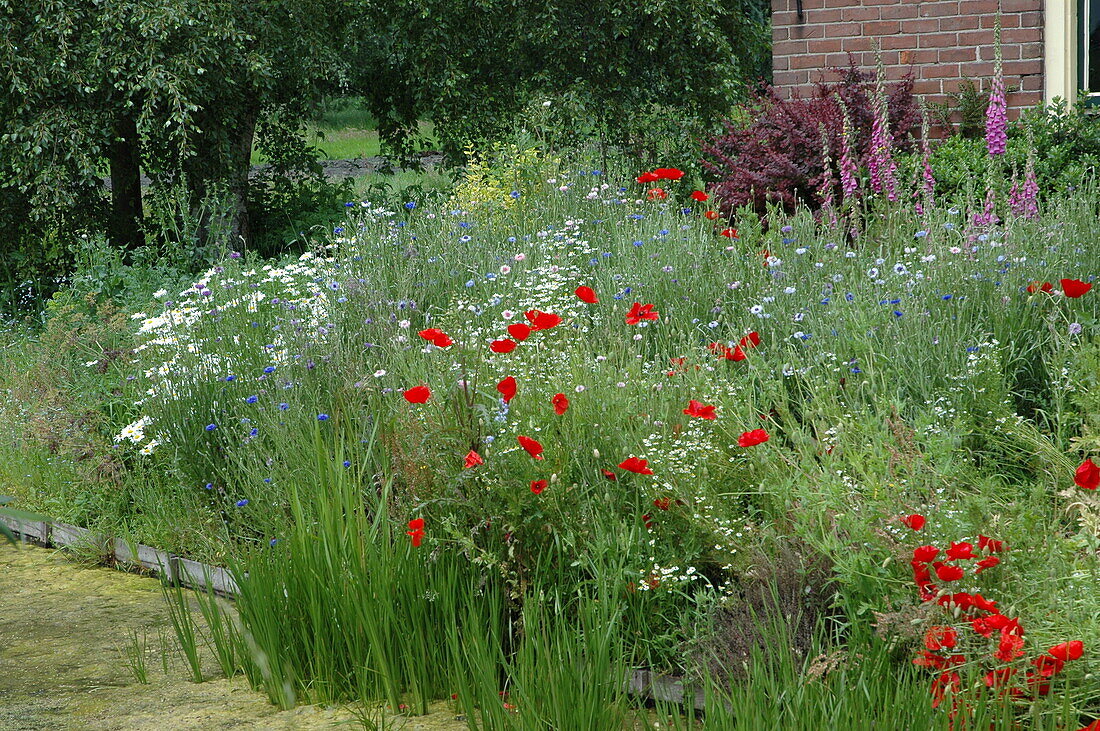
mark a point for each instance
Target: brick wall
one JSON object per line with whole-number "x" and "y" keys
{"x": 941, "y": 41}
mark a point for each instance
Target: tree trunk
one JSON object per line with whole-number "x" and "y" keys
{"x": 240, "y": 228}
{"x": 125, "y": 229}
{"x": 221, "y": 170}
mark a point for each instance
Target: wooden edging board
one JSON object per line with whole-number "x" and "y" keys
{"x": 135, "y": 556}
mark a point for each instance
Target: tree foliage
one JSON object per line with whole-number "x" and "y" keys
{"x": 472, "y": 66}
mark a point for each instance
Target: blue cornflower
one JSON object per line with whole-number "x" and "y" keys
{"x": 663, "y": 232}
{"x": 920, "y": 234}
{"x": 469, "y": 283}
{"x": 514, "y": 194}
{"x": 639, "y": 243}
{"x": 252, "y": 399}
{"x": 410, "y": 205}
{"x": 849, "y": 296}
{"x": 284, "y": 407}
{"x": 269, "y": 369}
{"x": 267, "y": 480}
{"x": 349, "y": 204}
{"x": 254, "y": 432}
{"x": 210, "y": 486}
{"x": 338, "y": 230}
{"x": 272, "y": 542}
{"x": 948, "y": 296}
{"x": 211, "y": 427}
{"x": 856, "y": 369}
{"x": 242, "y": 503}
{"x": 972, "y": 349}
{"x": 230, "y": 378}
{"x": 898, "y": 313}
{"x": 347, "y": 463}
{"x": 322, "y": 417}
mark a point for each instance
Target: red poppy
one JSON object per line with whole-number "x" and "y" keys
{"x": 752, "y": 438}
{"x": 925, "y": 659}
{"x": 1094, "y": 726}
{"x": 1040, "y": 287}
{"x": 729, "y": 233}
{"x": 531, "y": 446}
{"x": 418, "y": 394}
{"x": 586, "y": 295}
{"x": 987, "y": 563}
{"x": 537, "y": 486}
{"x": 699, "y": 410}
{"x": 542, "y": 320}
{"x": 1009, "y": 647}
{"x": 913, "y": 522}
{"x": 1075, "y": 288}
{"x": 724, "y": 351}
{"x": 635, "y": 465}
{"x": 960, "y": 551}
{"x": 999, "y": 677}
{"x": 507, "y": 388}
{"x": 751, "y": 340}
{"x": 437, "y": 337}
{"x": 946, "y": 572}
{"x": 990, "y": 544}
{"x": 502, "y": 346}
{"x": 639, "y": 312}
{"x": 1067, "y": 650}
{"x": 560, "y": 402}
{"x": 979, "y": 602}
{"x": 925, "y": 554}
{"x": 662, "y": 503}
{"x": 698, "y": 195}
{"x": 668, "y": 173}
{"x": 647, "y": 178}
{"x": 1087, "y": 475}
{"x": 609, "y": 474}
{"x": 940, "y": 638}
{"x": 657, "y": 194}
{"x": 416, "y": 531}
{"x": 519, "y": 330}
{"x": 473, "y": 459}
{"x": 944, "y": 683}
{"x": 1048, "y": 666}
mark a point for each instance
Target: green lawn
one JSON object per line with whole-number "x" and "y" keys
{"x": 345, "y": 131}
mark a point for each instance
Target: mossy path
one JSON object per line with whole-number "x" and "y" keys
{"x": 63, "y": 630}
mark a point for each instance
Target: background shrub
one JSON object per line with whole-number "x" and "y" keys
{"x": 777, "y": 155}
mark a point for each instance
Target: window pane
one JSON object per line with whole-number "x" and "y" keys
{"x": 1091, "y": 49}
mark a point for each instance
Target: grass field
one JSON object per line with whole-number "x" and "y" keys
{"x": 345, "y": 131}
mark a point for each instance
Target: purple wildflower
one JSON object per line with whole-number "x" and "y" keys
{"x": 996, "y": 114}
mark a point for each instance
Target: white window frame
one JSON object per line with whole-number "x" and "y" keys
{"x": 1060, "y": 50}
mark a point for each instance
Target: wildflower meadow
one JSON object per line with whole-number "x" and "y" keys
{"x": 828, "y": 463}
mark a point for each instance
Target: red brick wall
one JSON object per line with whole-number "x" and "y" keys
{"x": 941, "y": 41}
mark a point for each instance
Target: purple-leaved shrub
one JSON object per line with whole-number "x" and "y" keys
{"x": 779, "y": 157}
